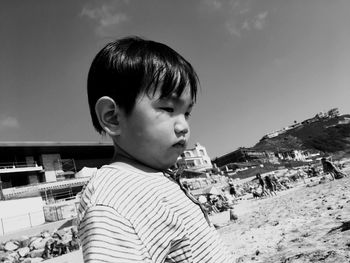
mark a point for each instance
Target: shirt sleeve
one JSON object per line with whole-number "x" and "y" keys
{"x": 108, "y": 237}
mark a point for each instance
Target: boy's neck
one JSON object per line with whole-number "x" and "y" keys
{"x": 123, "y": 157}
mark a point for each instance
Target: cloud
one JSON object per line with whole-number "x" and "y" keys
{"x": 224, "y": 5}
{"x": 213, "y": 4}
{"x": 239, "y": 15}
{"x": 108, "y": 15}
{"x": 8, "y": 123}
{"x": 258, "y": 22}
{"x": 233, "y": 29}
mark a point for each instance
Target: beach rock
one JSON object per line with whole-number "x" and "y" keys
{"x": 36, "y": 253}
{"x": 22, "y": 252}
{"x": 13, "y": 257}
{"x": 41, "y": 244}
{"x": 11, "y": 246}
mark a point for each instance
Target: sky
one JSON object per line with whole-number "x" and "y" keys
{"x": 262, "y": 64}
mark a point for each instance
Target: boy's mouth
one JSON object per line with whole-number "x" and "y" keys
{"x": 180, "y": 144}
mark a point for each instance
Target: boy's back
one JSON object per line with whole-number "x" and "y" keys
{"x": 143, "y": 217}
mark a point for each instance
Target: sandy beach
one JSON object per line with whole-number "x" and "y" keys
{"x": 308, "y": 223}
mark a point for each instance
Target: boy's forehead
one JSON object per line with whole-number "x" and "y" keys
{"x": 184, "y": 98}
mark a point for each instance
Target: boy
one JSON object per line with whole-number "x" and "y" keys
{"x": 141, "y": 94}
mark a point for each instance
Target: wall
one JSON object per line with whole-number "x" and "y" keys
{"x": 20, "y": 213}
{"x": 49, "y": 161}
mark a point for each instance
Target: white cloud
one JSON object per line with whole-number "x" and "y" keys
{"x": 106, "y": 15}
{"x": 236, "y": 6}
{"x": 239, "y": 15}
{"x": 213, "y": 4}
{"x": 8, "y": 123}
{"x": 233, "y": 29}
{"x": 260, "y": 21}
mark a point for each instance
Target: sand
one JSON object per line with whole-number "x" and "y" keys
{"x": 308, "y": 223}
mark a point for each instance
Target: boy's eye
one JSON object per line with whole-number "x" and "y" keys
{"x": 187, "y": 115}
{"x": 167, "y": 109}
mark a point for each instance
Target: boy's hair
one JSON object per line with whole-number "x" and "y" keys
{"x": 129, "y": 67}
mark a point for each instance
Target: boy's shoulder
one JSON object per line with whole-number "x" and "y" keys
{"x": 124, "y": 189}
{"x": 117, "y": 183}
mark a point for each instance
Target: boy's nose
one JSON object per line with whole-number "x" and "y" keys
{"x": 181, "y": 125}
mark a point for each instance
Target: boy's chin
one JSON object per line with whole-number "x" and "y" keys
{"x": 166, "y": 166}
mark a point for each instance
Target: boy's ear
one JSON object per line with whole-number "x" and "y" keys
{"x": 108, "y": 114}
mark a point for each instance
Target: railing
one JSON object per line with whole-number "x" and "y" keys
{"x": 11, "y": 192}
{"x": 17, "y": 165}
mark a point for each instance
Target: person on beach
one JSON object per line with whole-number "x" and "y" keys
{"x": 232, "y": 188}
{"x": 262, "y": 185}
{"x": 141, "y": 94}
{"x": 276, "y": 181}
{"x": 270, "y": 185}
{"x": 329, "y": 167}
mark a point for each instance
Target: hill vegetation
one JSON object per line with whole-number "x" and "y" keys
{"x": 328, "y": 135}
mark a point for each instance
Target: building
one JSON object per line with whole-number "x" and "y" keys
{"x": 195, "y": 159}
{"x": 48, "y": 168}
{"x": 294, "y": 155}
{"x": 243, "y": 155}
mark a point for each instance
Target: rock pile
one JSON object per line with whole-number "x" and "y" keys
{"x": 38, "y": 248}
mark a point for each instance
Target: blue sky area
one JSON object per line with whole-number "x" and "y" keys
{"x": 262, "y": 63}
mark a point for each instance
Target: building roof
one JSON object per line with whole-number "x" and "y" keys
{"x": 71, "y": 149}
{"x": 52, "y": 144}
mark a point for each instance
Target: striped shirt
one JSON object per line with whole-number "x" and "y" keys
{"x": 127, "y": 215}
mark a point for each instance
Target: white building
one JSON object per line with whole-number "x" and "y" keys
{"x": 195, "y": 159}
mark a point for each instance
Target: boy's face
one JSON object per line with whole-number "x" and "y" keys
{"x": 157, "y": 130}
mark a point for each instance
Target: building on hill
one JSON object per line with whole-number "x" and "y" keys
{"x": 247, "y": 158}
{"x": 246, "y": 155}
{"x": 48, "y": 168}
{"x": 294, "y": 155}
{"x": 195, "y": 159}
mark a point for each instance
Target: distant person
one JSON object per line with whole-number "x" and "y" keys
{"x": 262, "y": 185}
{"x": 233, "y": 191}
{"x": 270, "y": 185}
{"x": 277, "y": 182}
{"x": 329, "y": 167}
{"x": 312, "y": 171}
{"x": 141, "y": 94}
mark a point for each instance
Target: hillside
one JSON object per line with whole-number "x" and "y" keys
{"x": 329, "y": 135}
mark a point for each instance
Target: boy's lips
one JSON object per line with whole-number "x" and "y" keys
{"x": 181, "y": 144}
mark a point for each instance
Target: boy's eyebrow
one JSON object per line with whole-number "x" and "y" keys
{"x": 176, "y": 99}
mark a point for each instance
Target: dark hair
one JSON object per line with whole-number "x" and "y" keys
{"x": 129, "y": 67}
